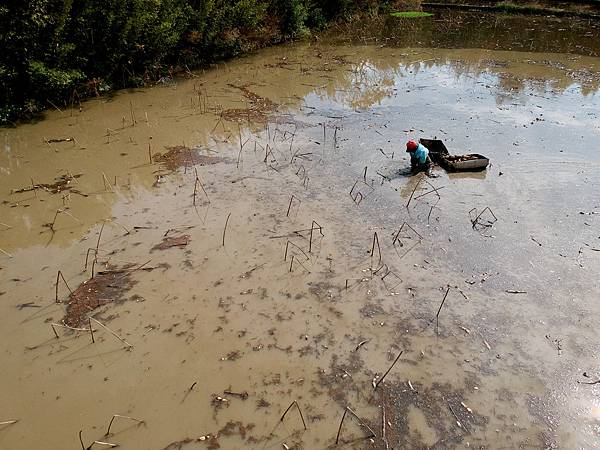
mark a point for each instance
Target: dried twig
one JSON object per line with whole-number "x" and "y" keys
{"x": 437, "y": 316}
{"x": 241, "y": 146}
{"x": 312, "y": 228}
{"x": 9, "y": 422}
{"x": 133, "y": 121}
{"x": 122, "y": 417}
{"x": 475, "y": 222}
{"x": 103, "y": 443}
{"x": 290, "y": 205}
{"x": 387, "y": 371}
{"x": 360, "y": 344}
{"x": 396, "y": 235}
{"x": 360, "y": 421}
{"x": 225, "y": 228}
{"x": 107, "y": 184}
{"x": 113, "y": 333}
{"x": 91, "y": 330}
{"x": 58, "y": 276}
{"x": 300, "y": 411}
{"x": 458, "y": 422}
{"x": 413, "y": 191}
{"x": 434, "y": 189}
{"x": 375, "y": 240}
{"x": 287, "y": 245}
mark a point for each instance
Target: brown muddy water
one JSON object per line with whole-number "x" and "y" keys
{"x": 223, "y": 240}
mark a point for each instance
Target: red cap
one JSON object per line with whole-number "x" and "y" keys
{"x": 411, "y": 146}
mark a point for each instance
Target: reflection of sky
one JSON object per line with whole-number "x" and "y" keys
{"x": 438, "y": 98}
{"x": 369, "y": 82}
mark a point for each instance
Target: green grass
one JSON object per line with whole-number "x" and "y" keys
{"x": 410, "y": 14}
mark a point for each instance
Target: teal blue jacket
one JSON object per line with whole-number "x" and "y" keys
{"x": 419, "y": 156}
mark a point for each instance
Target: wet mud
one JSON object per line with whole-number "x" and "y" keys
{"x": 251, "y": 255}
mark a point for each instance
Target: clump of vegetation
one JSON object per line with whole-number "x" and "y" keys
{"x": 56, "y": 52}
{"x": 410, "y": 14}
{"x": 526, "y": 9}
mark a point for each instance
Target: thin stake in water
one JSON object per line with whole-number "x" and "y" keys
{"x": 112, "y": 332}
{"x": 387, "y": 371}
{"x": 140, "y": 421}
{"x": 294, "y": 403}
{"x": 290, "y": 205}
{"x": 225, "y": 228}
{"x": 375, "y": 241}
{"x": 437, "y": 316}
{"x": 312, "y": 228}
{"x": 360, "y": 421}
{"x": 58, "y": 276}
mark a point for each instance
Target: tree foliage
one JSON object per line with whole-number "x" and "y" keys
{"x": 57, "y": 50}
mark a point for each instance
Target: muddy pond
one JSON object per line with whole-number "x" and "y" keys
{"x": 232, "y": 258}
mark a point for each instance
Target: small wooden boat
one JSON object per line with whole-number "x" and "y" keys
{"x": 439, "y": 154}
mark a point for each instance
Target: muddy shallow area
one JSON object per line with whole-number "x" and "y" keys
{"x": 251, "y": 237}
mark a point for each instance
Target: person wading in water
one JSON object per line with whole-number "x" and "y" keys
{"x": 419, "y": 157}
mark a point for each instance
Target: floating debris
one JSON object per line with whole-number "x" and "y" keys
{"x": 259, "y": 108}
{"x": 172, "y": 241}
{"x": 105, "y": 287}
{"x": 61, "y": 184}
{"x": 182, "y": 156}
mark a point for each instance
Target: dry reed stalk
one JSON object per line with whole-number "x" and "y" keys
{"x": 413, "y": 191}
{"x": 9, "y": 422}
{"x": 383, "y": 425}
{"x": 225, "y": 228}
{"x": 434, "y": 189}
{"x": 312, "y": 228}
{"x": 396, "y": 235}
{"x": 70, "y": 215}
{"x": 299, "y": 410}
{"x": 387, "y": 371}
{"x": 99, "y": 237}
{"x": 58, "y": 276}
{"x": 348, "y": 410}
{"x": 112, "y": 332}
{"x": 133, "y": 121}
{"x": 140, "y": 421}
{"x": 286, "y": 250}
{"x": 106, "y": 183}
{"x": 375, "y": 240}
{"x": 241, "y": 146}
{"x": 91, "y": 330}
{"x": 335, "y": 130}
{"x": 6, "y": 253}
{"x": 475, "y": 221}
{"x": 62, "y": 325}
{"x": 290, "y": 205}
{"x": 108, "y": 444}
{"x": 299, "y": 262}
{"x": 437, "y": 316}
{"x": 198, "y": 181}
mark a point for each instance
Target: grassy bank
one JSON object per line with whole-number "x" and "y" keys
{"x": 585, "y": 9}
{"x": 57, "y": 52}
